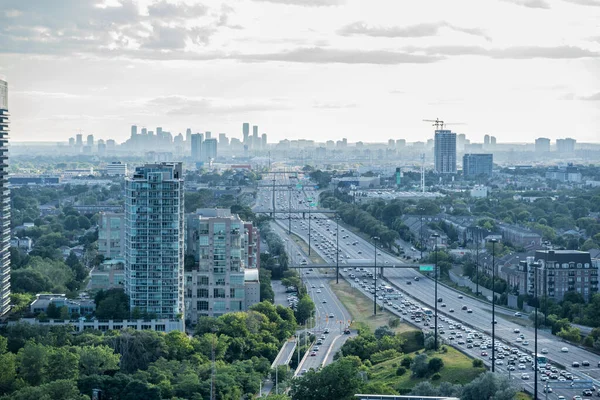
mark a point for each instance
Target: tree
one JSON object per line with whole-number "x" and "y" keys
{"x": 97, "y": 359}
{"x": 63, "y": 363}
{"x": 338, "y": 381}
{"x": 304, "y": 309}
{"x": 53, "y": 311}
{"x": 571, "y": 334}
{"x": 382, "y": 331}
{"x": 419, "y": 366}
{"x": 112, "y": 304}
{"x": 83, "y": 222}
{"x": 435, "y": 364}
{"x": 32, "y": 360}
{"x": 29, "y": 281}
{"x": 487, "y": 386}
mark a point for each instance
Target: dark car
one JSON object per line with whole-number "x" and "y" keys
{"x": 408, "y": 282}
{"x": 464, "y": 308}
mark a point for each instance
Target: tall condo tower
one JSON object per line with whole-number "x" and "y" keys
{"x": 154, "y": 234}
{"x": 4, "y": 203}
{"x": 445, "y": 151}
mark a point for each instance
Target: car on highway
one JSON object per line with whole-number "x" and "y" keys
{"x": 408, "y": 282}
{"x": 460, "y": 296}
{"x": 564, "y": 350}
{"x": 331, "y": 315}
{"x": 313, "y": 353}
{"x": 464, "y": 308}
{"x": 587, "y": 392}
{"x": 518, "y": 314}
{"x": 469, "y": 311}
{"x": 585, "y": 363}
{"x": 525, "y": 376}
{"x": 517, "y": 330}
{"x": 451, "y": 310}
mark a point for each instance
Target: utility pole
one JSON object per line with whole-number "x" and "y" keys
{"x": 290, "y": 210}
{"x": 337, "y": 250}
{"x": 436, "y": 237}
{"x": 535, "y": 339}
{"x": 477, "y": 268}
{"x": 375, "y": 238}
{"x": 493, "y": 242}
{"x": 309, "y": 229}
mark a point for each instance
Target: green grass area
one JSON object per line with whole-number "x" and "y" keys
{"x": 458, "y": 368}
{"x": 361, "y": 308}
{"x": 523, "y": 396}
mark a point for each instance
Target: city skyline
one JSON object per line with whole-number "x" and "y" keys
{"x": 303, "y": 69}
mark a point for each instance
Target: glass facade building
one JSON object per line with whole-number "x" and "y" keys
{"x": 4, "y": 202}
{"x": 445, "y": 152}
{"x": 154, "y": 240}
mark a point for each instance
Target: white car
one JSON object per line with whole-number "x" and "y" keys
{"x": 564, "y": 350}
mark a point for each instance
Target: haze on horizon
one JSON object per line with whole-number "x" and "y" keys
{"x": 314, "y": 69}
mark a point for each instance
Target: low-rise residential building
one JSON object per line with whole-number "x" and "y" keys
{"x": 110, "y": 274}
{"x": 75, "y": 306}
{"x": 556, "y": 272}
{"x": 518, "y": 236}
{"x": 24, "y": 243}
{"x": 83, "y": 324}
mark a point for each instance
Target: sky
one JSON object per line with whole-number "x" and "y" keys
{"x": 365, "y": 70}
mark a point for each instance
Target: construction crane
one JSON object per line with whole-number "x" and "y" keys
{"x": 439, "y": 124}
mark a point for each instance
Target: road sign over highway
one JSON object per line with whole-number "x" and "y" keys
{"x": 426, "y": 268}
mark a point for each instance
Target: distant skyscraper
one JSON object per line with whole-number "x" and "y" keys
{"x": 71, "y": 142}
{"x": 223, "y": 141}
{"x": 460, "y": 141}
{"x": 197, "y": 140}
{"x": 445, "y": 152}
{"x": 5, "y": 201}
{"x": 264, "y": 140}
{"x": 391, "y": 143}
{"x": 144, "y": 131}
{"x": 477, "y": 164}
{"x": 246, "y": 131}
{"x": 79, "y": 140}
{"x": 159, "y": 132}
{"x": 400, "y": 143}
{"x": 255, "y": 136}
{"x": 133, "y": 131}
{"x": 493, "y": 140}
{"x": 188, "y": 135}
{"x": 565, "y": 145}
{"x": 154, "y": 235}
{"x": 486, "y": 139}
{"x": 90, "y": 140}
{"x": 542, "y": 145}
{"x": 207, "y": 135}
{"x": 210, "y": 149}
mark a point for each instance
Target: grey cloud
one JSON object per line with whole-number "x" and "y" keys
{"x": 594, "y": 97}
{"x": 593, "y": 3}
{"x": 184, "y": 106}
{"x": 319, "y": 55}
{"x": 530, "y": 3}
{"x": 166, "y": 10}
{"x": 518, "y": 52}
{"x": 307, "y": 3}
{"x": 80, "y": 26}
{"x": 418, "y": 30}
{"x": 333, "y": 106}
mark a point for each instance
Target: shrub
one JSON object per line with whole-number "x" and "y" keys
{"x": 400, "y": 371}
{"x": 436, "y": 377}
{"x": 435, "y": 364}
{"x": 406, "y": 361}
{"x": 477, "y": 363}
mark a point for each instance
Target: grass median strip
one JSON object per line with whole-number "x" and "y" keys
{"x": 361, "y": 308}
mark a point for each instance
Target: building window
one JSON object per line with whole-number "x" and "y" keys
{"x": 202, "y": 305}
{"x": 203, "y": 280}
{"x": 202, "y": 293}
{"x": 219, "y": 293}
{"x": 203, "y": 240}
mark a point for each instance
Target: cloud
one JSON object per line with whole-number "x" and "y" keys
{"x": 82, "y": 26}
{"x": 49, "y": 95}
{"x": 166, "y": 10}
{"x": 306, "y": 3}
{"x": 319, "y": 55}
{"x": 530, "y": 3}
{"x": 189, "y": 106}
{"x": 418, "y": 30}
{"x": 594, "y": 3}
{"x": 517, "y": 52}
{"x": 593, "y": 97}
{"x": 333, "y": 106}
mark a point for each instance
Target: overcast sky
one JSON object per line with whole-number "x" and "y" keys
{"x": 366, "y": 70}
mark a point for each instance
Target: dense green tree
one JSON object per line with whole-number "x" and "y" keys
{"x": 32, "y": 361}
{"x": 489, "y": 386}
{"x": 94, "y": 360}
{"x": 304, "y": 309}
{"x": 112, "y": 304}
{"x": 339, "y": 380}
{"x": 63, "y": 363}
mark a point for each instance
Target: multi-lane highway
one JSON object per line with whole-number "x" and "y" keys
{"x": 325, "y": 238}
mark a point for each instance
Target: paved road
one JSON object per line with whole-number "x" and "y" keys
{"x": 322, "y": 232}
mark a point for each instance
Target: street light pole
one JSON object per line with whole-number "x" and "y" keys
{"x": 289, "y": 210}
{"x": 375, "y": 238}
{"x": 493, "y": 242}
{"x": 477, "y": 269}
{"x": 535, "y": 339}
{"x": 309, "y": 229}
{"x": 337, "y": 250}
{"x": 421, "y": 234}
{"x": 435, "y": 236}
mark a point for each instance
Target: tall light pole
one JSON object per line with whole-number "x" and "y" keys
{"x": 493, "y": 242}
{"x": 548, "y": 246}
{"x": 289, "y": 210}
{"x": 337, "y": 249}
{"x": 421, "y": 232}
{"x": 436, "y": 236}
{"x": 375, "y": 238}
{"x": 309, "y": 229}
{"x": 477, "y": 269}
{"x": 535, "y": 327}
